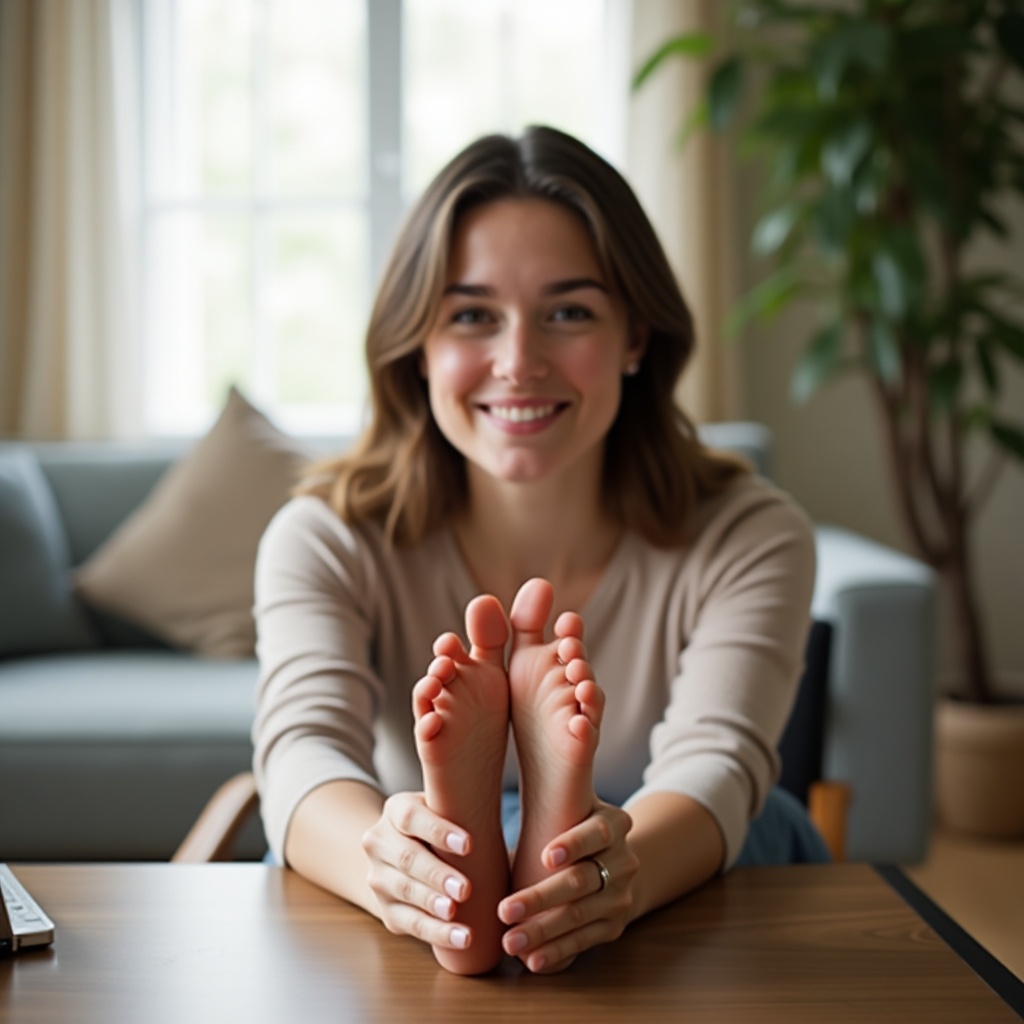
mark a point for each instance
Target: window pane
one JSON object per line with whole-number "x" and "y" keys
{"x": 260, "y": 217}
{"x": 531, "y": 61}
{"x": 317, "y": 307}
{"x": 316, "y": 75}
{"x": 199, "y": 320}
{"x": 200, "y": 102}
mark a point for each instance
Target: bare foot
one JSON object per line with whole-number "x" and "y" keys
{"x": 462, "y": 712}
{"x": 556, "y": 714}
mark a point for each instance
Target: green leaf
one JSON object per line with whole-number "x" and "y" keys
{"x": 1010, "y": 33}
{"x": 834, "y": 219}
{"x": 892, "y": 285}
{"x": 696, "y": 44}
{"x": 1009, "y": 437}
{"x": 842, "y": 153}
{"x": 695, "y": 121}
{"x": 899, "y": 272}
{"x": 869, "y": 183}
{"x": 864, "y": 43}
{"x": 987, "y": 366}
{"x": 764, "y": 301}
{"x": 978, "y": 417}
{"x": 775, "y": 227}
{"x": 1008, "y": 336}
{"x": 821, "y": 362}
{"x": 884, "y": 352}
{"x": 944, "y": 383}
{"x": 995, "y": 223}
{"x": 724, "y": 91}
{"x": 791, "y": 122}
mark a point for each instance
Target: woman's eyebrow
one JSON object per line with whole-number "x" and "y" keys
{"x": 574, "y": 284}
{"x": 473, "y": 290}
{"x": 571, "y": 284}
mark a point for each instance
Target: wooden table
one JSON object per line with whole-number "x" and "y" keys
{"x": 158, "y": 943}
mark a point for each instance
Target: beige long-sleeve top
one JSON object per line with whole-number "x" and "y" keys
{"x": 698, "y": 649}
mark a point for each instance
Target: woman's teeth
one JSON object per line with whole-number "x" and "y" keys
{"x": 521, "y": 414}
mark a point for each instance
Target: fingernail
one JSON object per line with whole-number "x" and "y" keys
{"x": 514, "y": 911}
{"x": 453, "y": 887}
{"x": 460, "y": 938}
{"x": 515, "y": 942}
{"x": 455, "y": 842}
{"x": 443, "y": 907}
{"x": 558, "y": 856}
{"x": 538, "y": 963}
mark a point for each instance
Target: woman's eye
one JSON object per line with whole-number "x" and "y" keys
{"x": 471, "y": 317}
{"x": 572, "y": 314}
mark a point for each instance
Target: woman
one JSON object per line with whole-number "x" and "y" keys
{"x": 525, "y": 457}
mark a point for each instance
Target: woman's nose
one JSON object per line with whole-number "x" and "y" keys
{"x": 520, "y": 355}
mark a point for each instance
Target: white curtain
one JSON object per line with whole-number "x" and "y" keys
{"x": 687, "y": 193}
{"x": 69, "y": 132}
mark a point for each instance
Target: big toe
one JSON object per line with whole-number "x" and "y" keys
{"x": 487, "y": 629}
{"x": 530, "y": 610}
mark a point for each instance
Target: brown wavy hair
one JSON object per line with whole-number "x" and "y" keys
{"x": 403, "y": 473}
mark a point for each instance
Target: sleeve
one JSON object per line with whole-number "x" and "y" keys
{"x": 745, "y": 629}
{"x": 318, "y": 694}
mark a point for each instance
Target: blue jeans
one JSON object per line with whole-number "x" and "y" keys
{"x": 781, "y": 834}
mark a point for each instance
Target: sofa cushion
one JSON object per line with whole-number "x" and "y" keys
{"x": 181, "y": 565}
{"x": 114, "y": 753}
{"x": 38, "y": 610}
{"x": 107, "y": 697}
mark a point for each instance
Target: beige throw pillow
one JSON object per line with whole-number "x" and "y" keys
{"x": 182, "y": 564}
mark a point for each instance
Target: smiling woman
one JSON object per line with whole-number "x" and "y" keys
{"x": 634, "y": 606}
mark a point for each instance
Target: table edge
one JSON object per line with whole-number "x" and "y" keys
{"x": 994, "y": 974}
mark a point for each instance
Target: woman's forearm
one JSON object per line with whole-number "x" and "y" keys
{"x": 324, "y": 841}
{"x": 679, "y": 846}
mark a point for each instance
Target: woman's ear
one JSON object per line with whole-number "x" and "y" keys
{"x": 638, "y": 335}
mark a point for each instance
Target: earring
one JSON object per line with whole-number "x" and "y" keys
{"x": 633, "y": 368}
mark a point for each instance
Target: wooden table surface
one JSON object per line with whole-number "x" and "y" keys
{"x": 154, "y": 943}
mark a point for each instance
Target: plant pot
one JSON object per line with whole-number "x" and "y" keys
{"x": 979, "y": 768}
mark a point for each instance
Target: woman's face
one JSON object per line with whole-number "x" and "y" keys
{"x": 525, "y": 360}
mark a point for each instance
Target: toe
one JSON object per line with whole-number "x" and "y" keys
{"x": 448, "y": 645}
{"x": 442, "y": 668}
{"x": 569, "y": 649}
{"x": 530, "y": 610}
{"x": 424, "y": 693}
{"x": 428, "y": 726}
{"x": 577, "y": 670}
{"x": 487, "y": 629}
{"x": 569, "y": 624}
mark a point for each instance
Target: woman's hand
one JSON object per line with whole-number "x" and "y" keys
{"x": 573, "y": 909}
{"x": 417, "y": 891}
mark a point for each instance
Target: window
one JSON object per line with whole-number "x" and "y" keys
{"x": 283, "y": 140}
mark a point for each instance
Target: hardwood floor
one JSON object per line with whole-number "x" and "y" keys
{"x": 980, "y": 884}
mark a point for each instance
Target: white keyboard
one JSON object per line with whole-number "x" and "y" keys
{"x": 29, "y": 924}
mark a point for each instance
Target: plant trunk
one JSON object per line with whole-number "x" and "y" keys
{"x": 976, "y": 684}
{"x": 941, "y": 538}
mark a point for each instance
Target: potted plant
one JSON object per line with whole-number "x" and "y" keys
{"x": 890, "y": 139}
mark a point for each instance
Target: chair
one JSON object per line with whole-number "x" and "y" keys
{"x": 212, "y": 837}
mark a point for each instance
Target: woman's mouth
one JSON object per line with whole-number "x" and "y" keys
{"x": 521, "y": 413}
{"x": 523, "y": 416}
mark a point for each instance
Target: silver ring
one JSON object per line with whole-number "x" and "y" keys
{"x": 605, "y": 874}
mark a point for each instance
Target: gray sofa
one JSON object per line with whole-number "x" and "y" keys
{"x": 110, "y": 742}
